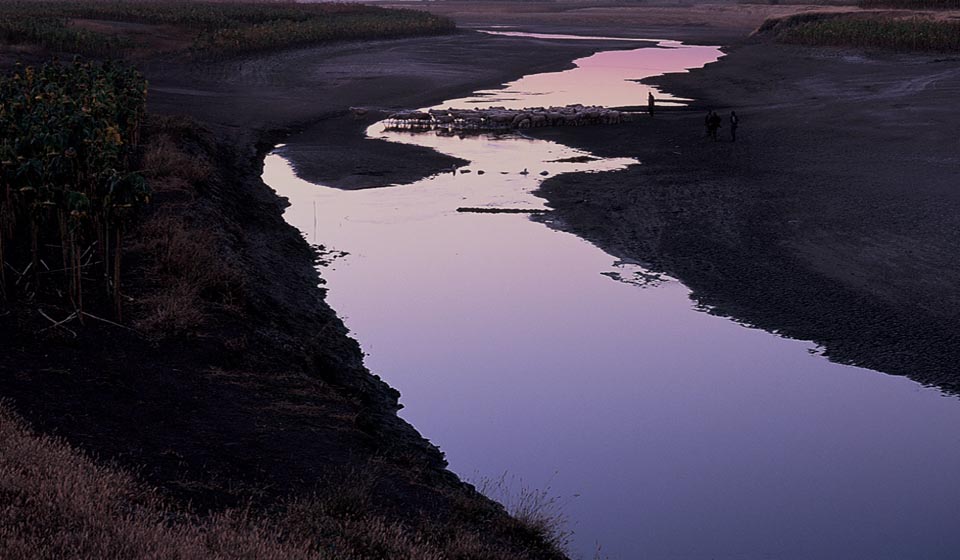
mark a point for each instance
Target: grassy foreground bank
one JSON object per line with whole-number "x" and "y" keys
{"x": 58, "y": 503}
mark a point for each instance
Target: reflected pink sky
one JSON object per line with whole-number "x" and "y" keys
{"x": 683, "y": 435}
{"x": 606, "y": 78}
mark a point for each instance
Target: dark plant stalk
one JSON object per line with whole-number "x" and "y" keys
{"x": 105, "y": 256}
{"x": 3, "y": 260}
{"x": 116, "y": 276}
{"x": 64, "y": 252}
{"x": 35, "y": 252}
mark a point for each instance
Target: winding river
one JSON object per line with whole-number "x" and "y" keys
{"x": 665, "y": 432}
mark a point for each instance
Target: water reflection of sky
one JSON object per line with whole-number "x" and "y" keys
{"x": 605, "y": 78}
{"x": 683, "y": 434}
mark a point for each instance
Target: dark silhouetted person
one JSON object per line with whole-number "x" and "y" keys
{"x": 734, "y": 123}
{"x": 714, "y": 122}
{"x": 651, "y": 103}
{"x": 706, "y": 121}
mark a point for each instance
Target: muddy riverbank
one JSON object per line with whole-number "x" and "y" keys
{"x": 833, "y": 218}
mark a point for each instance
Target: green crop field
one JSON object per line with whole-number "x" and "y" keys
{"x": 910, "y": 4}
{"x": 913, "y": 33}
{"x": 210, "y": 28}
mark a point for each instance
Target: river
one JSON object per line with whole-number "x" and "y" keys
{"x": 663, "y": 431}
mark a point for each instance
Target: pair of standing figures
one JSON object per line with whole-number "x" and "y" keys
{"x": 714, "y": 121}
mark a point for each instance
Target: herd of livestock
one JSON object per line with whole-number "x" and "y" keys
{"x": 499, "y": 118}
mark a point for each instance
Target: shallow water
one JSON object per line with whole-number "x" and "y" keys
{"x": 667, "y": 432}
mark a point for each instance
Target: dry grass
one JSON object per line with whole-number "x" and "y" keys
{"x": 187, "y": 273}
{"x": 56, "y": 503}
{"x": 163, "y": 159}
{"x": 180, "y": 249}
{"x": 537, "y": 509}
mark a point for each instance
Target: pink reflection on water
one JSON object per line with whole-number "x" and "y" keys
{"x": 606, "y": 78}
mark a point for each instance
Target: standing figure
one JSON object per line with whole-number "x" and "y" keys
{"x": 707, "y": 122}
{"x": 651, "y": 103}
{"x": 734, "y": 123}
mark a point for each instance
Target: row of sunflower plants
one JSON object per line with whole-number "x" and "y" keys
{"x": 69, "y": 134}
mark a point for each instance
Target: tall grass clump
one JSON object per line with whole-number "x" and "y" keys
{"x": 218, "y": 28}
{"x": 867, "y": 31}
{"x": 68, "y": 133}
{"x": 538, "y": 510}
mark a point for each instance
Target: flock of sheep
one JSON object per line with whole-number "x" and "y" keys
{"x": 499, "y": 118}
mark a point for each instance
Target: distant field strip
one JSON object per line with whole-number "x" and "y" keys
{"x": 209, "y": 28}
{"x": 895, "y": 31}
{"x": 910, "y": 4}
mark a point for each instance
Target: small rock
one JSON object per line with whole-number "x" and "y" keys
{"x": 544, "y": 173}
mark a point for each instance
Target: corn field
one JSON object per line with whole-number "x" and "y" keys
{"x": 68, "y": 133}
{"x": 862, "y": 31}
{"x": 219, "y": 28}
